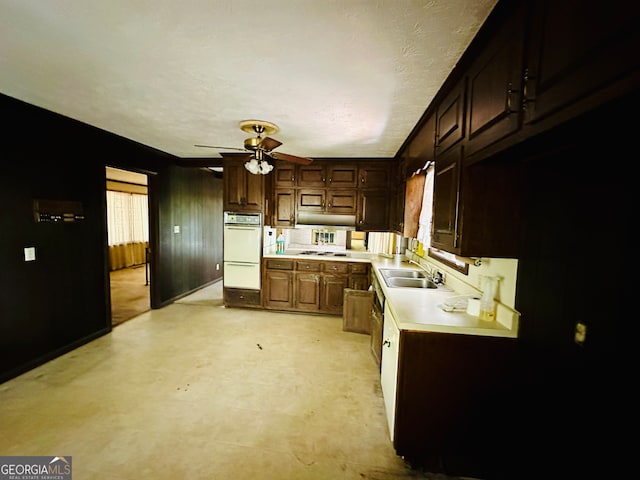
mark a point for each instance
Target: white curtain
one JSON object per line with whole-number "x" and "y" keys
{"x": 127, "y": 218}
{"x": 426, "y": 213}
{"x": 381, "y": 242}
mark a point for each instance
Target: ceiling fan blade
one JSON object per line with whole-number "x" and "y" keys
{"x": 224, "y": 148}
{"x": 291, "y": 158}
{"x": 268, "y": 144}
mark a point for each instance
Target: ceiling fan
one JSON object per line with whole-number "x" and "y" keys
{"x": 260, "y": 147}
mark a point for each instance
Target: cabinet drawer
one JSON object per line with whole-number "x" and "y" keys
{"x": 336, "y": 267}
{"x": 308, "y": 266}
{"x": 241, "y": 297}
{"x": 273, "y": 264}
{"x": 359, "y": 268}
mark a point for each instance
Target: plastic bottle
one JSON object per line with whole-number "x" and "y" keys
{"x": 487, "y": 301}
{"x": 280, "y": 244}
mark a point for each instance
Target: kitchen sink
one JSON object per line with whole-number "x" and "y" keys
{"x": 389, "y": 272}
{"x": 410, "y": 282}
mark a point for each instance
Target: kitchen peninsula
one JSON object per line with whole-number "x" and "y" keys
{"x": 436, "y": 366}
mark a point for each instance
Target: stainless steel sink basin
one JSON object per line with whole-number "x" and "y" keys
{"x": 390, "y": 272}
{"x": 410, "y": 282}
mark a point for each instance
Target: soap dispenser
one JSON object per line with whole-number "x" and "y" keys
{"x": 280, "y": 244}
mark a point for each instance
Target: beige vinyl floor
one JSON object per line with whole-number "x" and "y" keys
{"x": 199, "y": 391}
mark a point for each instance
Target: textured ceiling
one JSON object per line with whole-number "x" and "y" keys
{"x": 341, "y": 78}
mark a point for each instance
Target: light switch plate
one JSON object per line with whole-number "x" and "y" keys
{"x": 29, "y": 254}
{"x": 176, "y": 229}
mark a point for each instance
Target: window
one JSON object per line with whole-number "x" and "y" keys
{"x": 127, "y": 218}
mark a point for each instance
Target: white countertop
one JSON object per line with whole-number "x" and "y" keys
{"x": 419, "y": 308}
{"x": 413, "y": 308}
{"x": 350, "y": 256}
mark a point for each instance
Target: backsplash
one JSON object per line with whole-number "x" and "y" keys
{"x": 307, "y": 238}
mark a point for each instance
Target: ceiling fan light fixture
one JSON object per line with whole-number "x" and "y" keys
{"x": 252, "y": 166}
{"x": 258, "y": 166}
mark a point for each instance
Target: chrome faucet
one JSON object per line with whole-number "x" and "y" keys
{"x": 433, "y": 275}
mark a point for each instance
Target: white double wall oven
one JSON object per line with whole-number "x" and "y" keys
{"x": 242, "y": 250}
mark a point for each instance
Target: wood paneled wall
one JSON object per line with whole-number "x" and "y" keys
{"x": 61, "y": 300}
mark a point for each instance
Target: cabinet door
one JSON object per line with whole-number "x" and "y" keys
{"x": 254, "y": 192}
{"x": 374, "y": 175}
{"x": 450, "y": 124}
{"x": 284, "y": 174}
{"x": 285, "y": 207}
{"x": 333, "y": 292}
{"x": 389, "y": 367}
{"x": 278, "y": 289}
{"x": 373, "y": 210}
{"x": 311, "y": 200}
{"x": 233, "y": 185}
{"x": 494, "y": 87}
{"x": 243, "y": 191}
{"x": 314, "y": 175}
{"x": 307, "y": 292}
{"x": 421, "y": 148}
{"x": 341, "y": 201}
{"x": 342, "y": 175}
{"x": 579, "y": 57}
{"x": 446, "y": 201}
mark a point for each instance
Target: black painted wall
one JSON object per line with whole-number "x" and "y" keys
{"x": 61, "y": 300}
{"x": 561, "y": 416}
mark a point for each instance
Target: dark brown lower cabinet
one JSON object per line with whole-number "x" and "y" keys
{"x": 277, "y": 284}
{"x": 307, "y": 292}
{"x": 312, "y": 286}
{"x": 241, "y": 297}
{"x": 451, "y": 390}
{"x": 332, "y": 293}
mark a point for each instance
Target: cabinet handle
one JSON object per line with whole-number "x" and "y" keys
{"x": 510, "y": 92}
{"x": 293, "y": 179}
{"x": 330, "y": 180}
{"x": 528, "y": 96}
{"x": 361, "y": 179}
{"x": 386, "y": 343}
{"x": 324, "y": 180}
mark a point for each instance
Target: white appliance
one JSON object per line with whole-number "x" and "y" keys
{"x": 242, "y": 250}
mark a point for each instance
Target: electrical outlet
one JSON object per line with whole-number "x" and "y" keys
{"x": 176, "y": 229}
{"x": 580, "y": 334}
{"x": 217, "y": 266}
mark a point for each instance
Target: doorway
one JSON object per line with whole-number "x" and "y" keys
{"x": 128, "y": 243}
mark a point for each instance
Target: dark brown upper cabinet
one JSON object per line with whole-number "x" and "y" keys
{"x": 374, "y": 175}
{"x": 284, "y": 174}
{"x": 284, "y": 209}
{"x": 580, "y": 55}
{"x": 342, "y": 175}
{"x": 422, "y": 148}
{"x": 450, "y": 112}
{"x": 243, "y": 191}
{"x": 314, "y": 175}
{"x": 446, "y": 205}
{"x": 494, "y": 87}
